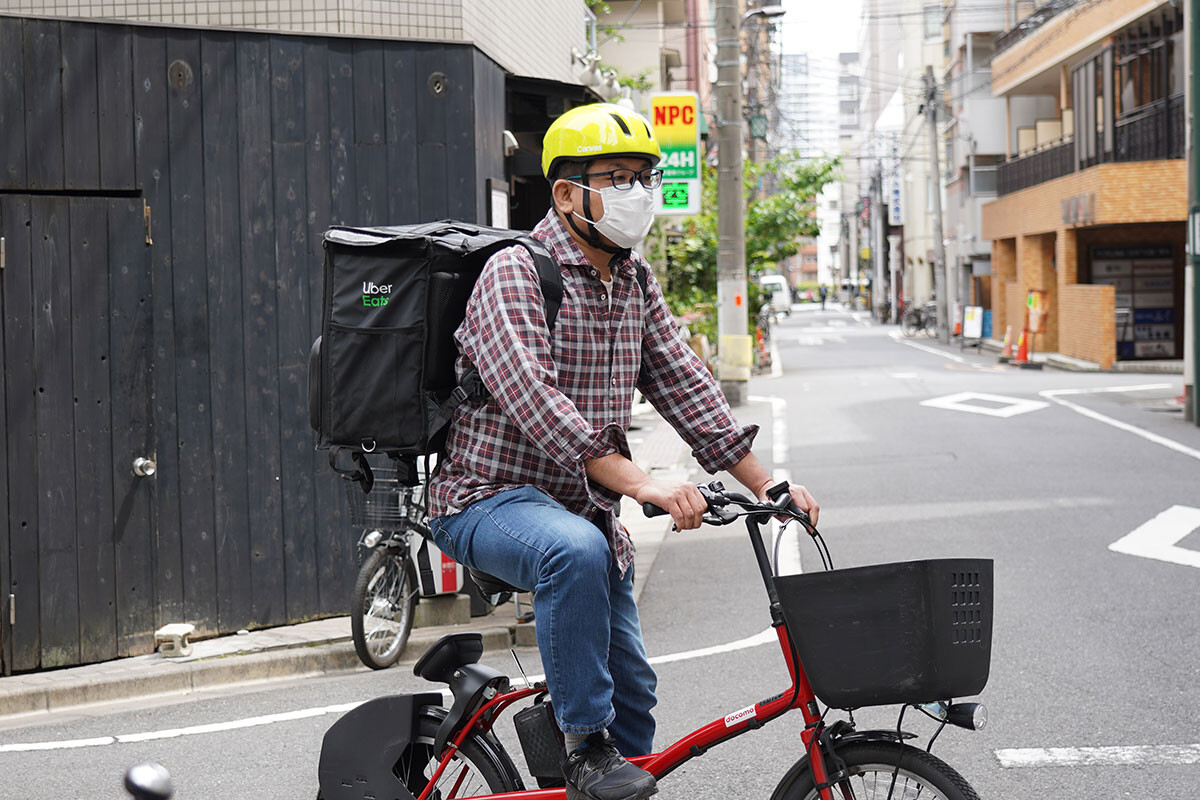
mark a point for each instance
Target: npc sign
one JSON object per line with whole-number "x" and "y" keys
{"x": 676, "y": 120}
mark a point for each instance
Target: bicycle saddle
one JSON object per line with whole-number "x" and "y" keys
{"x": 491, "y": 585}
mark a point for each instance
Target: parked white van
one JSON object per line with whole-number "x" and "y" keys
{"x": 781, "y": 293}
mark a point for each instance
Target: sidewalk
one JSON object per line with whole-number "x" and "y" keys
{"x": 323, "y": 646}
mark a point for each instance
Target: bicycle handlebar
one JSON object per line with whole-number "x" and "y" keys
{"x": 719, "y": 500}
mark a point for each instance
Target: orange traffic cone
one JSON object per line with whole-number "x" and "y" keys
{"x": 1022, "y": 350}
{"x": 1006, "y": 356}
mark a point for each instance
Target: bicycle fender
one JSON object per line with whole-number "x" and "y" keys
{"x": 360, "y": 749}
{"x": 801, "y": 766}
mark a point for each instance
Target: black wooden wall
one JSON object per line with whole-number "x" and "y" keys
{"x": 162, "y": 198}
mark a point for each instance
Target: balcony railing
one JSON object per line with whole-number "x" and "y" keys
{"x": 1040, "y": 16}
{"x": 1152, "y": 133}
{"x": 1047, "y": 164}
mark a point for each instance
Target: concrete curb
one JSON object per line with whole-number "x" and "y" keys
{"x": 165, "y": 677}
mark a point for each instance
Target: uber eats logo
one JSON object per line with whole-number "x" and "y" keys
{"x": 373, "y": 295}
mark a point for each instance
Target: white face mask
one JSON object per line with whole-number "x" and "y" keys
{"x": 628, "y": 213}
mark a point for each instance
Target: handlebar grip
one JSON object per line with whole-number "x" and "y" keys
{"x": 651, "y": 510}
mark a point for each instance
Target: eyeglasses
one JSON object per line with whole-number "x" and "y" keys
{"x": 623, "y": 179}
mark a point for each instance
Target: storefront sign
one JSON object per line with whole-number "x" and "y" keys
{"x": 1079, "y": 210}
{"x": 1143, "y": 278}
{"x": 675, "y": 117}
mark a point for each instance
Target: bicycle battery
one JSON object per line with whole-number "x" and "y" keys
{"x": 542, "y": 743}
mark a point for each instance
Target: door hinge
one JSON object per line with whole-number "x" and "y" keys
{"x": 12, "y": 609}
{"x": 146, "y": 216}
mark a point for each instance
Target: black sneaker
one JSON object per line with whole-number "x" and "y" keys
{"x": 596, "y": 771}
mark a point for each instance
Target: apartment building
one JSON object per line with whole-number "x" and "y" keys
{"x": 1092, "y": 193}
{"x": 974, "y": 144}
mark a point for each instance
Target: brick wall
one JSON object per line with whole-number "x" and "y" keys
{"x": 1139, "y": 191}
{"x": 532, "y": 38}
{"x": 1088, "y": 317}
{"x": 1004, "y": 271}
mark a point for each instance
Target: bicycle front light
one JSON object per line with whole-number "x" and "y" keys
{"x": 371, "y": 539}
{"x": 972, "y": 716}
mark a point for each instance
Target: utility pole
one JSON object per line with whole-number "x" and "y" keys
{"x": 939, "y": 247}
{"x": 734, "y": 345}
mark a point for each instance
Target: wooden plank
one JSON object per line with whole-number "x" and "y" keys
{"x": 131, "y": 350}
{"x": 431, "y": 110}
{"x": 54, "y": 410}
{"x": 490, "y": 122}
{"x": 260, "y": 343}
{"x": 93, "y": 429}
{"x": 81, "y": 134}
{"x": 5, "y": 633}
{"x": 463, "y": 151}
{"x": 43, "y": 119}
{"x": 400, "y": 92}
{"x": 190, "y": 313}
{"x": 334, "y": 556}
{"x": 370, "y": 133}
{"x": 114, "y": 87}
{"x": 227, "y": 378}
{"x": 13, "y": 174}
{"x": 289, "y": 121}
{"x": 154, "y": 173}
{"x": 343, "y": 183}
{"x": 24, "y": 644}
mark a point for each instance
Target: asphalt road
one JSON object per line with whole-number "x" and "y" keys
{"x": 1093, "y": 648}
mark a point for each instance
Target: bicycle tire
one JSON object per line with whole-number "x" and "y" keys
{"x": 930, "y": 325}
{"x": 910, "y": 323}
{"x": 384, "y": 604}
{"x": 487, "y": 765}
{"x": 871, "y": 766}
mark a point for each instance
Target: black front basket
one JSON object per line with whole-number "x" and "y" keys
{"x": 910, "y": 632}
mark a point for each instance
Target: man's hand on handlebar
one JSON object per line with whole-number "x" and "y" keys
{"x": 800, "y": 496}
{"x": 682, "y": 501}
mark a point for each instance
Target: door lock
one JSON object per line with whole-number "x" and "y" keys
{"x": 144, "y": 467}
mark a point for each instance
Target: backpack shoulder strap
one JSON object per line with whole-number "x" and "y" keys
{"x": 549, "y": 275}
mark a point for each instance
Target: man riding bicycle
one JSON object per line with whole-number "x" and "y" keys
{"x": 532, "y": 477}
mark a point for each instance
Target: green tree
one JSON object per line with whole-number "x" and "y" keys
{"x": 781, "y": 196}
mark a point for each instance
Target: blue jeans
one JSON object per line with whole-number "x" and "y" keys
{"x": 587, "y": 622}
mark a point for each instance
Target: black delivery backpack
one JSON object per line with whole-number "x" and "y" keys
{"x": 381, "y": 375}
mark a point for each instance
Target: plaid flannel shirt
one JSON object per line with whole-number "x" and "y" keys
{"x": 560, "y": 399}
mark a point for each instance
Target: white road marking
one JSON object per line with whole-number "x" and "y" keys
{"x": 959, "y": 402}
{"x": 765, "y": 637}
{"x": 1134, "y": 756}
{"x": 1056, "y": 396}
{"x": 899, "y": 338}
{"x": 817, "y": 341}
{"x": 1157, "y": 538}
{"x": 789, "y": 550}
{"x": 902, "y": 375}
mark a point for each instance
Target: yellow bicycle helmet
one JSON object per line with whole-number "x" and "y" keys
{"x": 595, "y": 131}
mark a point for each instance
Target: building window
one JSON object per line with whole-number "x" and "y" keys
{"x": 933, "y": 22}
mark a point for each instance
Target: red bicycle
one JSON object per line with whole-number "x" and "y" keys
{"x": 913, "y": 634}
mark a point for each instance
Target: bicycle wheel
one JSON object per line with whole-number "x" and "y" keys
{"x": 930, "y": 324}
{"x": 910, "y": 323}
{"x": 481, "y": 766}
{"x": 385, "y": 599}
{"x": 872, "y": 766}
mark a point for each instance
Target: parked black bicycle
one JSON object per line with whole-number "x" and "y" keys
{"x": 920, "y": 318}
{"x": 386, "y": 590}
